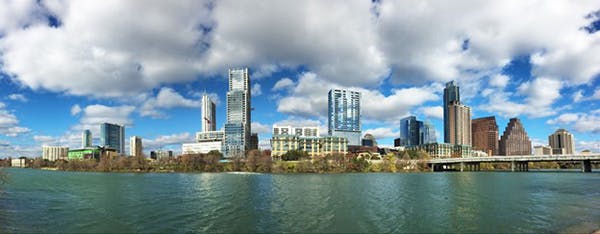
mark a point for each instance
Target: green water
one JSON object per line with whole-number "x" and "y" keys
{"x": 55, "y": 201}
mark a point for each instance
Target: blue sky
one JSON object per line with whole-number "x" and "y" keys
{"x": 66, "y": 66}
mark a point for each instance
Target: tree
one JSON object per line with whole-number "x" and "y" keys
{"x": 252, "y": 160}
{"x": 212, "y": 160}
{"x": 37, "y": 163}
{"x": 294, "y": 155}
{"x": 105, "y": 164}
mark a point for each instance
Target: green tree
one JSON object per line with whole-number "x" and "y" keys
{"x": 294, "y": 155}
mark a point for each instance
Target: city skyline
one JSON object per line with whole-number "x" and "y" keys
{"x": 56, "y": 83}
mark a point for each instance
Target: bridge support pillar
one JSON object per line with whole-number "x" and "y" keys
{"x": 519, "y": 166}
{"x": 586, "y": 166}
{"x": 462, "y": 166}
{"x": 513, "y": 166}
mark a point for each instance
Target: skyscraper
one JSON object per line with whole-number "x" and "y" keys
{"x": 409, "y": 131}
{"x": 209, "y": 119}
{"x": 237, "y": 127}
{"x": 344, "y": 115}
{"x": 514, "y": 140}
{"x": 561, "y": 142}
{"x": 485, "y": 135}
{"x": 135, "y": 146}
{"x": 451, "y": 94}
{"x": 427, "y": 133}
{"x": 86, "y": 139}
{"x": 113, "y": 136}
{"x": 459, "y": 124}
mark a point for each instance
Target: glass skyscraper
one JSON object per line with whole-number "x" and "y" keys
{"x": 344, "y": 115}
{"x": 451, "y": 94}
{"x": 237, "y": 127}
{"x": 86, "y": 139}
{"x": 414, "y": 132}
{"x": 113, "y": 136}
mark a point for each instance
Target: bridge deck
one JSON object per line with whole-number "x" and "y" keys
{"x": 519, "y": 158}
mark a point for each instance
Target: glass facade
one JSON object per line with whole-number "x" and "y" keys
{"x": 113, "y": 136}
{"x": 451, "y": 94}
{"x": 344, "y": 115}
{"x": 237, "y": 127}
{"x": 86, "y": 139}
{"x": 409, "y": 131}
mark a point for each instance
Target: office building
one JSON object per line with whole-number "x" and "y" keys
{"x": 542, "y": 150}
{"x": 237, "y": 127}
{"x": 459, "y": 124}
{"x": 135, "y": 146}
{"x": 86, "y": 139}
{"x": 160, "y": 154}
{"x": 484, "y": 132}
{"x": 313, "y": 146}
{"x": 444, "y": 150}
{"x": 344, "y": 115}
{"x": 297, "y": 131}
{"x": 53, "y": 153}
{"x": 409, "y": 131}
{"x": 514, "y": 140}
{"x": 451, "y": 94}
{"x": 209, "y": 114}
{"x": 562, "y": 142}
{"x": 369, "y": 140}
{"x": 427, "y": 133}
{"x": 253, "y": 142}
{"x": 113, "y": 136}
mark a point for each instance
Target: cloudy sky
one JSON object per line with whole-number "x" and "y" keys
{"x": 67, "y": 65}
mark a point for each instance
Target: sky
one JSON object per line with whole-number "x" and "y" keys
{"x": 66, "y": 66}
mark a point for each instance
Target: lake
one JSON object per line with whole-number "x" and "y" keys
{"x": 526, "y": 202}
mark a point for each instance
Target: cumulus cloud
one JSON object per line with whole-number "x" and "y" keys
{"x": 499, "y": 81}
{"x": 256, "y": 90}
{"x": 379, "y": 133}
{"x": 168, "y": 140}
{"x": 94, "y": 115}
{"x": 283, "y": 83}
{"x": 313, "y": 93}
{"x": 260, "y": 128}
{"x": 433, "y": 112}
{"x": 165, "y": 99}
{"x": 17, "y": 97}
{"x": 581, "y": 122}
{"x": 102, "y": 49}
{"x": 9, "y": 124}
{"x": 75, "y": 109}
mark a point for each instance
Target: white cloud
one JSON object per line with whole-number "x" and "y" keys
{"x": 17, "y": 97}
{"x": 433, "y": 112}
{"x": 103, "y": 50}
{"x": 311, "y": 92}
{"x": 94, "y": 115}
{"x": 256, "y": 90}
{"x": 499, "y": 81}
{"x": 168, "y": 140}
{"x": 9, "y": 124}
{"x": 260, "y": 128}
{"x": 594, "y": 146}
{"x": 75, "y": 109}
{"x": 578, "y": 96}
{"x": 581, "y": 122}
{"x": 165, "y": 99}
{"x": 283, "y": 83}
{"x": 379, "y": 133}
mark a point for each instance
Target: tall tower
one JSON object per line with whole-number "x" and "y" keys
{"x": 344, "y": 115}
{"x": 237, "y": 127}
{"x": 451, "y": 94}
{"x": 86, "y": 139}
{"x": 135, "y": 146}
{"x": 209, "y": 119}
{"x": 514, "y": 140}
{"x": 427, "y": 133}
{"x": 561, "y": 142}
{"x": 113, "y": 136}
{"x": 459, "y": 124}
{"x": 410, "y": 131}
{"x": 484, "y": 132}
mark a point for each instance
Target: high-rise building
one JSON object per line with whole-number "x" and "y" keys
{"x": 451, "y": 94}
{"x": 237, "y": 127}
{"x": 209, "y": 115}
{"x": 369, "y": 140}
{"x": 409, "y": 131}
{"x": 135, "y": 146}
{"x": 484, "y": 132}
{"x": 459, "y": 124}
{"x": 113, "y": 136}
{"x": 514, "y": 140}
{"x": 344, "y": 115}
{"x": 562, "y": 142}
{"x": 427, "y": 133}
{"x": 86, "y": 139}
{"x": 53, "y": 153}
{"x": 253, "y": 142}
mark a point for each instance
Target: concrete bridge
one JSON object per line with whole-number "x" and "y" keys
{"x": 518, "y": 163}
